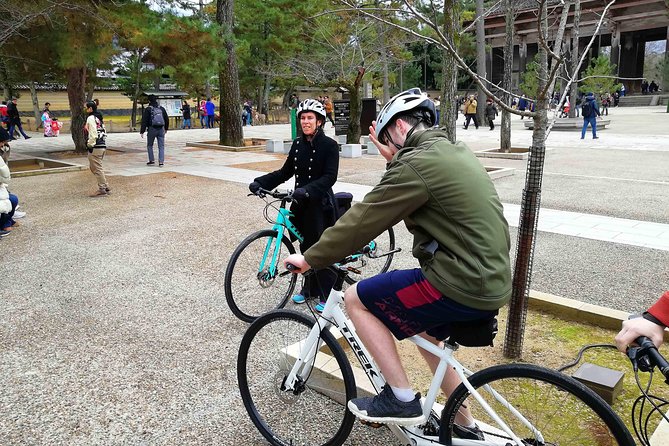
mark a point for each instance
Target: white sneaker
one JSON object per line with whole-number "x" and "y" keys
{"x": 19, "y": 214}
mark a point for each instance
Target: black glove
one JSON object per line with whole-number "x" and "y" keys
{"x": 300, "y": 194}
{"x": 254, "y": 187}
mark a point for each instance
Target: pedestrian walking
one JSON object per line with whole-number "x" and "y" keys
{"x": 490, "y": 113}
{"x": 185, "y": 111}
{"x": 211, "y": 112}
{"x": 155, "y": 122}
{"x": 14, "y": 120}
{"x": 590, "y": 111}
{"x": 470, "y": 111}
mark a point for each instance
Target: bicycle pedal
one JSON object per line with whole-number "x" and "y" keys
{"x": 372, "y": 424}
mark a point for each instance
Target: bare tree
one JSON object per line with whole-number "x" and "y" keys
{"x": 449, "y": 89}
{"x": 505, "y": 131}
{"x": 480, "y": 59}
{"x": 532, "y": 191}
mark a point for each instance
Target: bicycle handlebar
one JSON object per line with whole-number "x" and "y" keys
{"x": 275, "y": 194}
{"x": 646, "y": 356}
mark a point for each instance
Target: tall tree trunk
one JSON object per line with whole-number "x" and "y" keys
{"x": 35, "y": 101}
{"x": 4, "y": 80}
{"x": 135, "y": 96}
{"x": 353, "y": 132}
{"x": 90, "y": 91}
{"x": 480, "y": 59}
{"x": 264, "y": 105}
{"x": 529, "y": 209}
{"x": 558, "y": 41}
{"x": 76, "y": 81}
{"x": 573, "y": 93}
{"x": 505, "y": 131}
{"x": 449, "y": 70}
{"x": 231, "y": 123}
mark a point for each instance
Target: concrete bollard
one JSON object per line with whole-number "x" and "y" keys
{"x": 351, "y": 150}
{"x": 364, "y": 140}
{"x": 372, "y": 150}
{"x": 274, "y": 146}
{"x": 286, "y": 146}
{"x": 341, "y": 139}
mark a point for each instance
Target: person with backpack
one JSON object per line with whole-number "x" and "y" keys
{"x": 590, "y": 111}
{"x": 96, "y": 136}
{"x": 156, "y": 122}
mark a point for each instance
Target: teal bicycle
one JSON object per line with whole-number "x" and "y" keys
{"x": 256, "y": 281}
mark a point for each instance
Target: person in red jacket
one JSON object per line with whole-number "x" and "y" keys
{"x": 651, "y": 324}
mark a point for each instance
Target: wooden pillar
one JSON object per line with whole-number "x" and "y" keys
{"x": 665, "y": 81}
{"x": 615, "y": 47}
{"x": 522, "y": 50}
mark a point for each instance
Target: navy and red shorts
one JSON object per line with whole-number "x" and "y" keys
{"x": 408, "y": 304}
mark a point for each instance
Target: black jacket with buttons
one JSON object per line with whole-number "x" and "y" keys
{"x": 315, "y": 165}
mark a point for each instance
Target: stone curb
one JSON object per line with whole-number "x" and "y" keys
{"x": 570, "y": 309}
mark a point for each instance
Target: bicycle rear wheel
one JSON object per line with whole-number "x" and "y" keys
{"x": 251, "y": 292}
{"x": 563, "y": 410}
{"x": 367, "y": 266}
{"x": 317, "y": 414}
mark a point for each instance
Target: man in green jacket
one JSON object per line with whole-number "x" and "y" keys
{"x": 461, "y": 240}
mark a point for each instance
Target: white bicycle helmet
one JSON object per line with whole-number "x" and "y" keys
{"x": 311, "y": 105}
{"x": 405, "y": 103}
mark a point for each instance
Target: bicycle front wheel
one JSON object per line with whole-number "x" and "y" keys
{"x": 370, "y": 265}
{"x": 316, "y": 413}
{"x": 558, "y": 409}
{"x": 251, "y": 289}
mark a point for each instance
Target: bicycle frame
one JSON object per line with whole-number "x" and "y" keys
{"x": 281, "y": 225}
{"x": 333, "y": 314}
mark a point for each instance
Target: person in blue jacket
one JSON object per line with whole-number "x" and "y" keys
{"x": 590, "y": 111}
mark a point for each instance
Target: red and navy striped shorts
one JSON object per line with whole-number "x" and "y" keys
{"x": 408, "y": 304}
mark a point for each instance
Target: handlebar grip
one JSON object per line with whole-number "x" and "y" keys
{"x": 655, "y": 356}
{"x": 292, "y": 268}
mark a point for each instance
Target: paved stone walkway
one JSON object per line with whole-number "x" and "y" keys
{"x": 216, "y": 164}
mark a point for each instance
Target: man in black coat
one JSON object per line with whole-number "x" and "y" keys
{"x": 14, "y": 120}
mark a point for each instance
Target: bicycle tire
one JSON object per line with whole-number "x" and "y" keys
{"x": 370, "y": 267}
{"x": 247, "y": 296}
{"x": 575, "y": 415}
{"x": 284, "y": 418}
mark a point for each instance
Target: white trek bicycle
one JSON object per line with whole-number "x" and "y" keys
{"x": 295, "y": 379}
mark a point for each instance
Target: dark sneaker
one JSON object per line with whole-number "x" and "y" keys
{"x": 99, "y": 193}
{"x": 150, "y": 163}
{"x": 161, "y": 164}
{"x": 385, "y": 408}
{"x": 468, "y": 433}
{"x": 4, "y": 233}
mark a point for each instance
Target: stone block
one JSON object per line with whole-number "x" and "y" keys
{"x": 372, "y": 150}
{"x": 351, "y": 150}
{"x": 341, "y": 139}
{"x": 274, "y": 146}
{"x": 286, "y": 146}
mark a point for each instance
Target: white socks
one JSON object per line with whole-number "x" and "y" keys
{"x": 404, "y": 395}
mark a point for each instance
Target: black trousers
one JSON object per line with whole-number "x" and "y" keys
{"x": 469, "y": 117}
{"x": 491, "y": 123}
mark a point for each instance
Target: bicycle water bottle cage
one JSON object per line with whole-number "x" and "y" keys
{"x": 478, "y": 333}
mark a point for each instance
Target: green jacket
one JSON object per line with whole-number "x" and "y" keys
{"x": 449, "y": 204}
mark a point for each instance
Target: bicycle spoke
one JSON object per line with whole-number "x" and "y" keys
{"x": 314, "y": 414}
